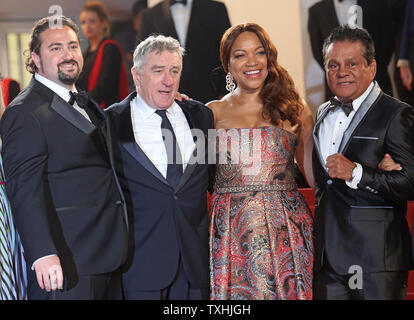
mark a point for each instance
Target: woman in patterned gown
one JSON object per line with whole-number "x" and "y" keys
{"x": 12, "y": 265}
{"x": 261, "y": 232}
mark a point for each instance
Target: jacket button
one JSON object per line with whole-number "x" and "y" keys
{"x": 175, "y": 197}
{"x": 118, "y": 203}
{"x": 329, "y": 181}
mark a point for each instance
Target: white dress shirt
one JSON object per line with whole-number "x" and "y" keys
{"x": 146, "y": 125}
{"x": 331, "y": 132}
{"x": 181, "y": 16}
{"x": 61, "y": 92}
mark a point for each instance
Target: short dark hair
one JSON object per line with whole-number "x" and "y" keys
{"x": 35, "y": 41}
{"x": 351, "y": 34}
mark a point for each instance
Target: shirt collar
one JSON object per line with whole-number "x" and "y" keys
{"x": 358, "y": 101}
{"x": 56, "y": 88}
{"x": 147, "y": 111}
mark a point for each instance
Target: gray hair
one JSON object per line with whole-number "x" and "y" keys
{"x": 157, "y": 43}
{"x": 36, "y": 41}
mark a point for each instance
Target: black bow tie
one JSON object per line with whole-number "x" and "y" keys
{"x": 81, "y": 98}
{"x": 346, "y": 107}
{"x": 172, "y": 2}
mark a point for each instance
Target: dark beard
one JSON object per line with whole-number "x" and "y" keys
{"x": 65, "y": 78}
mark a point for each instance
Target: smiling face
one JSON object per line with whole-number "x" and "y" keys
{"x": 248, "y": 62}
{"x": 158, "y": 80}
{"x": 347, "y": 71}
{"x": 60, "y": 58}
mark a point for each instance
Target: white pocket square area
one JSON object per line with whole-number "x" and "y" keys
{"x": 365, "y": 138}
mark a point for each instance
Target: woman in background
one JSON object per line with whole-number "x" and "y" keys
{"x": 13, "y": 281}
{"x": 261, "y": 232}
{"x": 103, "y": 74}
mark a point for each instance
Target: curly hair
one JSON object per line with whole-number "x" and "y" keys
{"x": 280, "y": 98}
{"x": 36, "y": 41}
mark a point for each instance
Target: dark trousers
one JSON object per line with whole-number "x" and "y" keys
{"x": 179, "y": 289}
{"x": 106, "y": 286}
{"x": 329, "y": 285}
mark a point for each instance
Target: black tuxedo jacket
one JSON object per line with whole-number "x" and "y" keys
{"x": 61, "y": 183}
{"x": 367, "y": 226}
{"x": 377, "y": 19}
{"x": 165, "y": 223}
{"x": 208, "y": 22}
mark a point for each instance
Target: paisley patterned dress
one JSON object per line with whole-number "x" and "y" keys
{"x": 261, "y": 231}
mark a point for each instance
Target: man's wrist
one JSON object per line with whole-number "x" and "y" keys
{"x": 356, "y": 174}
{"x": 33, "y": 265}
{"x": 353, "y": 172}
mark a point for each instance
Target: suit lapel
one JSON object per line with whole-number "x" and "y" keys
{"x": 136, "y": 152}
{"x": 64, "y": 109}
{"x": 192, "y": 163}
{"x": 359, "y": 115}
{"x": 127, "y": 140}
{"x": 101, "y": 121}
{"x": 321, "y": 115}
{"x": 71, "y": 115}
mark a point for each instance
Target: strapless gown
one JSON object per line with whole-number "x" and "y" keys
{"x": 261, "y": 228}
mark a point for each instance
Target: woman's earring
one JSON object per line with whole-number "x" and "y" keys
{"x": 230, "y": 85}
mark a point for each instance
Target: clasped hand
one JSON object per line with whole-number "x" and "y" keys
{"x": 341, "y": 167}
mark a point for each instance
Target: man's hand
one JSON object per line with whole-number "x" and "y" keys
{"x": 49, "y": 273}
{"x": 387, "y": 164}
{"x": 181, "y": 96}
{"x": 339, "y": 167}
{"x": 406, "y": 77}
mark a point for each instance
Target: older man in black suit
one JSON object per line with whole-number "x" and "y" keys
{"x": 360, "y": 222}
{"x": 65, "y": 197}
{"x": 162, "y": 165}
